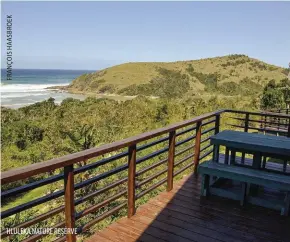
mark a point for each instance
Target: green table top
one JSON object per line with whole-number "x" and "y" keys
{"x": 252, "y": 142}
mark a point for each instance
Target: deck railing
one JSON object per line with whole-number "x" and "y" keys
{"x": 277, "y": 123}
{"x": 124, "y": 172}
{"x": 281, "y": 110}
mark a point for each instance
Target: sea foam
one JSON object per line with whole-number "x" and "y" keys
{"x": 27, "y": 87}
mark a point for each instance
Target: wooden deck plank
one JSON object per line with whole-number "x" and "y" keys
{"x": 264, "y": 215}
{"x": 177, "y": 227}
{"x": 97, "y": 237}
{"x": 100, "y": 236}
{"x": 213, "y": 228}
{"x": 132, "y": 235}
{"x": 159, "y": 234}
{"x": 135, "y": 233}
{"x": 112, "y": 235}
{"x": 220, "y": 218}
{"x": 119, "y": 234}
{"x": 197, "y": 231}
{"x": 181, "y": 215}
{"x": 185, "y": 199}
{"x": 168, "y": 233}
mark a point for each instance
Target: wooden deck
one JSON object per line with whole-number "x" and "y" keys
{"x": 181, "y": 215}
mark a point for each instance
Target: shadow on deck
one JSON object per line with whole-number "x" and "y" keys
{"x": 181, "y": 215}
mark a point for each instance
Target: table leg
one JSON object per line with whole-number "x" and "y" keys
{"x": 233, "y": 157}
{"x": 257, "y": 159}
{"x": 227, "y": 156}
{"x": 285, "y": 165}
{"x": 216, "y": 153}
{"x": 205, "y": 185}
{"x": 285, "y": 210}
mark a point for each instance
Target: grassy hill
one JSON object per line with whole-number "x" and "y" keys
{"x": 232, "y": 75}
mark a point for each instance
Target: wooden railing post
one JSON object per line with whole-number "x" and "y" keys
{"x": 171, "y": 153}
{"x": 217, "y": 123}
{"x": 264, "y": 124}
{"x": 216, "y": 131}
{"x": 247, "y": 122}
{"x": 131, "y": 180}
{"x": 245, "y": 130}
{"x": 69, "y": 202}
{"x": 197, "y": 146}
{"x": 288, "y": 134}
{"x": 279, "y": 111}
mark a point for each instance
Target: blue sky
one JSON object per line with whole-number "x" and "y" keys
{"x": 94, "y": 35}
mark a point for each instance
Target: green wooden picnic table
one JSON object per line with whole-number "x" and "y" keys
{"x": 259, "y": 145}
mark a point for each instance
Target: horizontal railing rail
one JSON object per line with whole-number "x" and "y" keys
{"x": 134, "y": 167}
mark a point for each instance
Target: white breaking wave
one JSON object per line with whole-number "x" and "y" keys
{"x": 27, "y": 87}
{"x": 22, "y": 90}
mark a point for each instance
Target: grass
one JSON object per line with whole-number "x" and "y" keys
{"x": 27, "y": 197}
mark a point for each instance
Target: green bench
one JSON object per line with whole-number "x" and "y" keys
{"x": 245, "y": 176}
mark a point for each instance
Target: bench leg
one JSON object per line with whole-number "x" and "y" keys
{"x": 286, "y": 208}
{"x": 244, "y": 193}
{"x": 243, "y": 158}
{"x": 205, "y": 186}
{"x": 264, "y": 162}
{"x": 284, "y": 165}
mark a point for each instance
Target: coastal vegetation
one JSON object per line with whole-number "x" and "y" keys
{"x": 46, "y": 130}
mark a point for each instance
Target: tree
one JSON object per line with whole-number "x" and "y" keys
{"x": 82, "y": 137}
{"x": 276, "y": 95}
{"x": 285, "y": 88}
{"x": 190, "y": 69}
{"x": 272, "y": 98}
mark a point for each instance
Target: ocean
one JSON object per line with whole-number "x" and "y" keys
{"x": 29, "y": 86}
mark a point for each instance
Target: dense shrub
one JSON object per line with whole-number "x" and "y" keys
{"x": 110, "y": 88}
{"x": 236, "y": 56}
{"x": 229, "y": 88}
{"x": 168, "y": 84}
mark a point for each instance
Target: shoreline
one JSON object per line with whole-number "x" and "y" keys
{"x": 94, "y": 94}
{"x": 59, "y": 93}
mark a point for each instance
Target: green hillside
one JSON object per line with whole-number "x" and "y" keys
{"x": 231, "y": 75}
